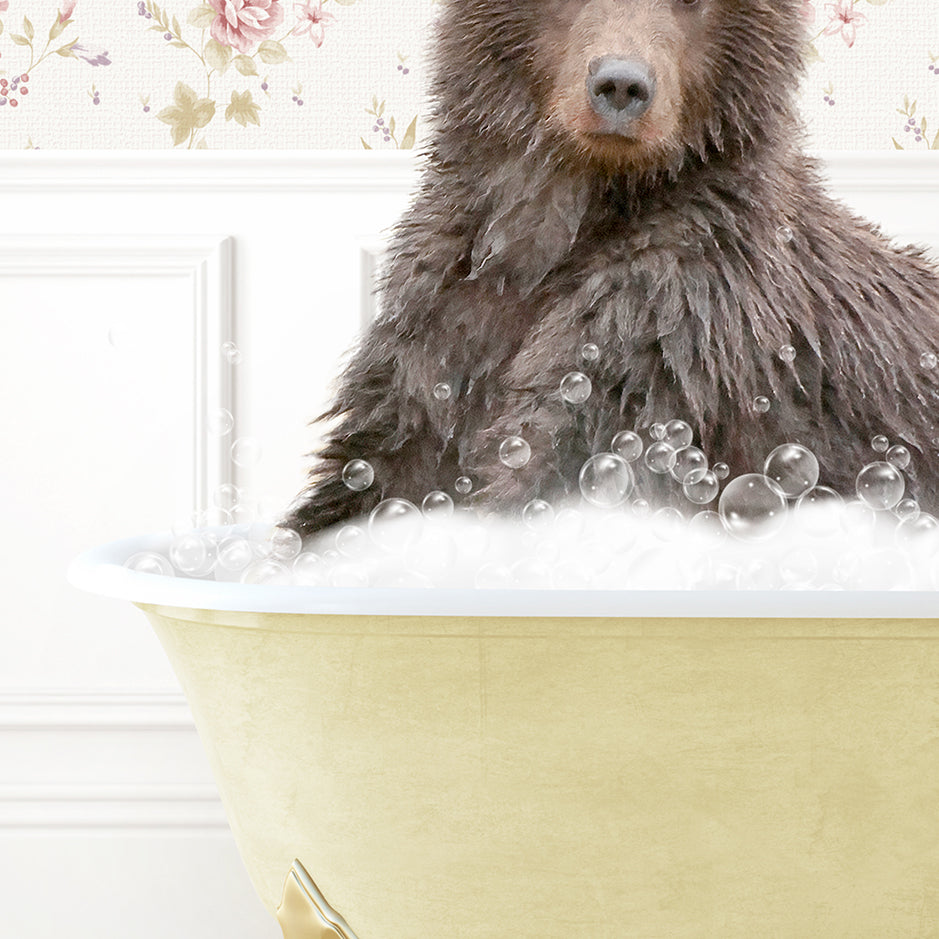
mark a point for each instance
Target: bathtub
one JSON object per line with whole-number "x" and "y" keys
{"x": 546, "y": 764}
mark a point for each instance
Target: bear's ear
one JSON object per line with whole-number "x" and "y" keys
{"x": 531, "y": 223}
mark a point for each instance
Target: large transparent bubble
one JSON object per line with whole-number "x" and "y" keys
{"x": 793, "y": 468}
{"x": 606, "y": 480}
{"x": 880, "y": 485}
{"x": 752, "y": 507}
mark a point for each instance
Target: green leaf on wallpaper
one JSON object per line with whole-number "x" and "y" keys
{"x": 243, "y": 109}
{"x": 58, "y": 27}
{"x": 19, "y": 40}
{"x": 245, "y": 64}
{"x": 66, "y": 50}
{"x": 347, "y": 3}
{"x": 391, "y": 125}
{"x": 364, "y": 144}
{"x": 217, "y": 55}
{"x": 898, "y": 147}
{"x": 179, "y": 44}
{"x": 935, "y": 143}
{"x": 271, "y": 52}
{"x": 1, "y": 27}
{"x": 201, "y": 17}
{"x": 410, "y": 135}
{"x": 189, "y": 113}
{"x": 811, "y": 53}
{"x": 176, "y": 29}
{"x": 28, "y": 28}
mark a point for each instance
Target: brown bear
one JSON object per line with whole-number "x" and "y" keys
{"x": 627, "y": 174}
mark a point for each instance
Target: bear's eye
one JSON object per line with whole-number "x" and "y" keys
{"x": 687, "y": 3}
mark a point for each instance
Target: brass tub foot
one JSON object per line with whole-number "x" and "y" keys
{"x": 304, "y": 913}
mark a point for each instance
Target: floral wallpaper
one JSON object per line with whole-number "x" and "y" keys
{"x": 350, "y": 74}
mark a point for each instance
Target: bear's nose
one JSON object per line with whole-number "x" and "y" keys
{"x": 620, "y": 90}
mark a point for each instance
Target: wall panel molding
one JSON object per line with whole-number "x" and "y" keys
{"x": 76, "y": 742}
{"x": 326, "y": 170}
{"x": 206, "y": 261}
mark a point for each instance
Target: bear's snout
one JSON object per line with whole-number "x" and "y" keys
{"x": 620, "y": 90}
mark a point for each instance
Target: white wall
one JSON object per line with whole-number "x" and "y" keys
{"x": 120, "y": 276}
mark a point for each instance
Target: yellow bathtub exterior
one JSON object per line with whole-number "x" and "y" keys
{"x": 550, "y": 778}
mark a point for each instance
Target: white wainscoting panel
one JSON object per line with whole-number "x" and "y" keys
{"x": 121, "y": 274}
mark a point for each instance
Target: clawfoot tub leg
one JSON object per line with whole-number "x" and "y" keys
{"x": 304, "y": 913}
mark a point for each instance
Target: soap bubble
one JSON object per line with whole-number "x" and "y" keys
{"x": 761, "y": 404}
{"x": 220, "y": 422}
{"x": 246, "y": 451}
{"x": 285, "y": 543}
{"x": 227, "y": 496}
{"x": 793, "y": 468}
{"x": 784, "y": 235}
{"x": 721, "y": 470}
{"x": 309, "y": 569}
{"x": 358, "y": 475}
{"x": 657, "y": 431}
{"x": 268, "y": 572}
{"x": 708, "y": 524}
{"x": 787, "y": 353}
{"x": 899, "y": 456}
{"x": 660, "y": 457}
{"x": 351, "y": 541}
{"x": 678, "y": 435}
{"x": 235, "y": 554}
{"x": 347, "y": 574}
{"x": 590, "y": 351}
{"x": 189, "y": 553}
{"x": 857, "y": 518}
{"x": 437, "y": 504}
{"x": 752, "y": 507}
{"x": 463, "y": 485}
{"x": 628, "y": 445}
{"x": 919, "y": 533}
{"x": 442, "y": 391}
{"x": 687, "y": 460}
{"x": 514, "y": 452}
{"x": 394, "y": 524}
{"x": 538, "y": 515}
{"x": 668, "y": 524}
{"x": 243, "y": 512}
{"x": 880, "y": 443}
{"x": 576, "y": 387}
{"x": 906, "y": 508}
{"x": 231, "y": 353}
{"x": 798, "y": 566}
{"x": 149, "y": 562}
{"x": 606, "y": 480}
{"x": 880, "y": 485}
{"x": 819, "y": 510}
{"x": 928, "y": 360}
{"x": 700, "y": 486}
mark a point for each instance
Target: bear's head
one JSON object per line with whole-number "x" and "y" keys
{"x": 625, "y": 85}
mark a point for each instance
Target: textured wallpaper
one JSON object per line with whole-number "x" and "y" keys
{"x": 349, "y": 74}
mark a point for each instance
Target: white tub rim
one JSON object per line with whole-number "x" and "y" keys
{"x": 100, "y": 570}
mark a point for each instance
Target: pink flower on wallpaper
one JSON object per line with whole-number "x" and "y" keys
{"x": 808, "y": 11}
{"x": 844, "y": 19}
{"x": 4, "y": 5}
{"x": 244, "y": 23}
{"x": 312, "y": 20}
{"x": 68, "y": 8}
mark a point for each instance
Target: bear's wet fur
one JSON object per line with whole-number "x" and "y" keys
{"x": 689, "y": 240}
